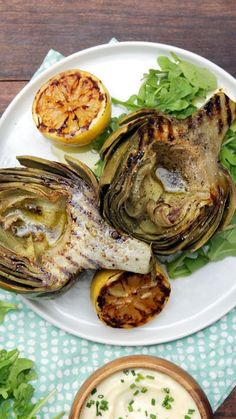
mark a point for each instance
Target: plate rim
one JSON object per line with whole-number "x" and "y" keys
{"x": 115, "y": 45}
{"x": 53, "y": 68}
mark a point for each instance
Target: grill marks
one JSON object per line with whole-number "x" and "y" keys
{"x": 229, "y": 113}
{"x": 220, "y": 107}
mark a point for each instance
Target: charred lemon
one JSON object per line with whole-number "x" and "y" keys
{"x": 72, "y": 108}
{"x": 126, "y": 300}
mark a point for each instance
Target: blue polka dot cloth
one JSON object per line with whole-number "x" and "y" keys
{"x": 63, "y": 361}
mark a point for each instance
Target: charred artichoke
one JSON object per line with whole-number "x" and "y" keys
{"x": 51, "y": 229}
{"x": 162, "y": 181}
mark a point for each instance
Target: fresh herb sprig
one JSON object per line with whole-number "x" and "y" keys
{"x": 16, "y": 391}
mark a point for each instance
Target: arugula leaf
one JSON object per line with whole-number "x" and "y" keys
{"x": 5, "y": 410}
{"x": 5, "y": 308}
{"x": 221, "y": 245}
{"x": 22, "y": 404}
{"x": 98, "y": 168}
{"x": 172, "y": 89}
{"x": 100, "y": 139}
{"x": 228, "y": 152}
{"x": 15, "y": 390}
{"x": 198, "y": 76}
{"x": 39, "y": 405}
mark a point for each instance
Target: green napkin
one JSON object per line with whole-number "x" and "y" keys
{"x": 64, "y": 361}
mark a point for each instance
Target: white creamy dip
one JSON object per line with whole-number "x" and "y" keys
{"x": 139, "y": 394}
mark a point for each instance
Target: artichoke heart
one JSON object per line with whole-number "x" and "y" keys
{"x": 51, "y": 229}
{"x": 162, "y": 181}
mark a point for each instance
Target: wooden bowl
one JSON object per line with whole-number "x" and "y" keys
{"x": 147, "y": 362}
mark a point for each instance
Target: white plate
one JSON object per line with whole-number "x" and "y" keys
{"x": 196, "y": 301}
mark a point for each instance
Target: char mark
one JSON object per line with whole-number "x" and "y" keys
{"x": 134, "y": 158}
{"x": 217, "y": 104}
{"x": 159, "y": 124}
{"x": 171, "y": 136}
{"x": 229, "y": 113}
{"x": 208, "y": 108}
{"x": 220, "y": 126}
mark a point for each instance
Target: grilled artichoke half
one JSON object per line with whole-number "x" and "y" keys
{"x": 51, "y": 229}
{"x": 162, "y": 180}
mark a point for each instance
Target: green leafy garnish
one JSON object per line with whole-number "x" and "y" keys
{"x": 5, "y": 308}
{"x": 228, "y": 152}
{"x": 98, "y": 168}
{"x": 173, "y": 89}
{"x": 221, "y": 245}
{"x": 100, "y": 139}
{"x": 16, "y": 391}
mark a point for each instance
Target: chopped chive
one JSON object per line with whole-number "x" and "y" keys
{"x": 152, "y": 416}
{"x": 133, "y": 385}
{"x": 191, "y": 411}
{"x": 104, "y": 405}
{"x": 153, "y": 402}
{"x": 166, "y": 390}
{"x": 100, "y": 396}
{"x": 136, "y": 392}
{"x": 150, "y": 377}
{"x": 90, "y": 403}
{"x": 144, "y": 390}
{"x": 97, "y": 409}
{"x": 133, "y": 372}
{"x": 122, "y": 381}
{"x": 94, "y": 391}
{"x": 139, "y": 377}
{"x": 130, "y": 408}
{"x": 167, "y": 402}
{"x": 126, "y": 372}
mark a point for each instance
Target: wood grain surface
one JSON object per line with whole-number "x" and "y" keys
{"x": 29, "y": 28}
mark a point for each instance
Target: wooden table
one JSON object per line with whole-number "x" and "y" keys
{"x": 29, "y": 28}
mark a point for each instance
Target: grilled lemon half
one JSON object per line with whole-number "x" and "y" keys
{"x": 126, "y": 300}
{"x": 72, "y": 108}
